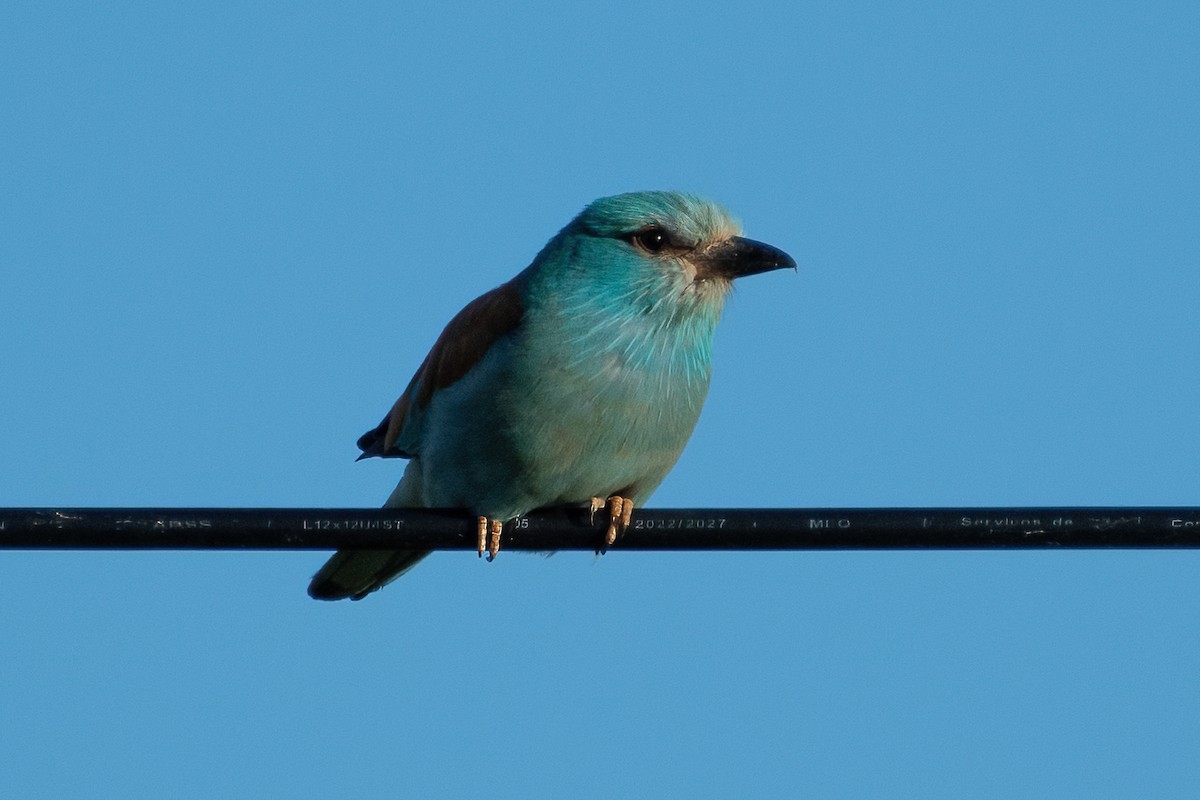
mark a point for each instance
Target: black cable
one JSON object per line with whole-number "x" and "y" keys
{"x": 573, "y": 529}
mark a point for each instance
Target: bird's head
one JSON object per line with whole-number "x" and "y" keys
{"x": 661, "y": 250}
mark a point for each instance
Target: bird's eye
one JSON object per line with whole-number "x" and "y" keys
{"x": 652, "y": 240}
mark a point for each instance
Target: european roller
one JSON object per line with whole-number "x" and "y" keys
{"x": 576, "y": 383}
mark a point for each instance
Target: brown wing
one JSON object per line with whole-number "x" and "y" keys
{"x": 462, "y": 344}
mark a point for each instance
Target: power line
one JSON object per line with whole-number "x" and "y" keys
{"x": 572, "y": 529}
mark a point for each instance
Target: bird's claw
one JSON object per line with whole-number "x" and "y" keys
{"x": 488, "y": 533}
{"x": 597, "y": 504}
{"x": 497, "y": 526}
{"x": 620, "y": 512}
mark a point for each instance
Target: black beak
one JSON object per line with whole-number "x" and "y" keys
{"x": 737, "y": 257}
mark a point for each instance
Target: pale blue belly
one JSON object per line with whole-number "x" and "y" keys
{"x": 522, "y": 432}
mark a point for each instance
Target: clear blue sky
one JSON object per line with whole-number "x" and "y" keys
{"x": 228, "y": 235}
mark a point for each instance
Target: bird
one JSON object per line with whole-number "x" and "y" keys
{"x": 576, "y": 383}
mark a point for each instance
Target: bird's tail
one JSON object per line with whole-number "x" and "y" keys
{"x": 357, "y": 573}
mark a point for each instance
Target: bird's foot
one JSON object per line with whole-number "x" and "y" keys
{"x": 597, "y": 504}
{"x": 620, "y": 512}
{"x": 489, "y": 536}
